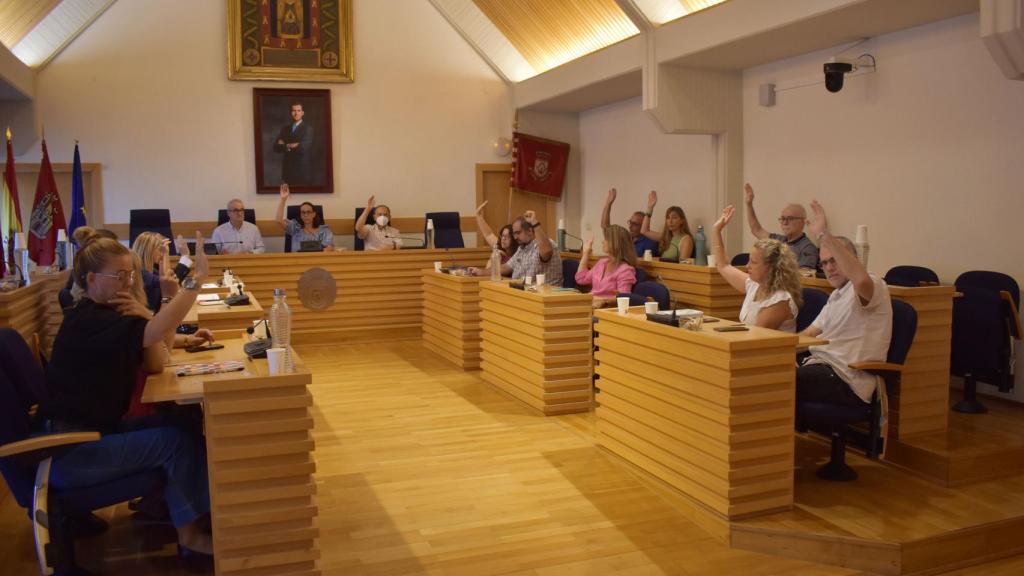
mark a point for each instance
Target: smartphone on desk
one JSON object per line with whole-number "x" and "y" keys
{"x": 734, "y": 328}
{"x": 203, "y": 348}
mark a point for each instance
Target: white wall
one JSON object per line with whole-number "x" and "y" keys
{"x": 145, "y": 90}
{"x": 622, "y": 148}
{"x": 927, "y": 151}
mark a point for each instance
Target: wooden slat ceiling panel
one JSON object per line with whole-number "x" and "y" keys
{"x": 549, "y": 33}
{"x": 18, "y": 17}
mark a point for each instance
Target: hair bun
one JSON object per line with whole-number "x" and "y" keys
{"x": 83, "y": 234}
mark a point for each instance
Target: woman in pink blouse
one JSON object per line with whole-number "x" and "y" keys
{"x": 615, "y": 273}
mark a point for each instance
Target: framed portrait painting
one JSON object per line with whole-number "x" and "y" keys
{"x": 292, "y": 132}
{"x": 296, "y": 40}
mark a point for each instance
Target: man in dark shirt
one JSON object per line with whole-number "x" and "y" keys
{"x": 641, "y": 243}
{"x": 792, "y": 220}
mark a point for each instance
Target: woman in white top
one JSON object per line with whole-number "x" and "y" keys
{"x": 771, "y": 282}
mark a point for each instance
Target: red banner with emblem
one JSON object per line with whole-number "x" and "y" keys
{"x": 47, "y": 215}
{"x": 538, "y": 165}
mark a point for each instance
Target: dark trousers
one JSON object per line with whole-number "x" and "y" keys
{"x": 820, "y": 383}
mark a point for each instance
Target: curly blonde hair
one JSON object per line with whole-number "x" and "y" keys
{"x": 783, "y": 270}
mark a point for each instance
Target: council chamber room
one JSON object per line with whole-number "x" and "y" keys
{"x": 518, "y": 287}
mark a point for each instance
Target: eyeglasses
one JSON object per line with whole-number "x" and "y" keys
{"x": 121, "y": 275}
{"x": 828, "y": 262}
{"x": 236, "y": 210}
{"x": 788, "y": 219}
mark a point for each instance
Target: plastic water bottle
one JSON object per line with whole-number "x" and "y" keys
{"x": 495, "y": 263}
{"x": 699, "y": 253}
{"x": 281, "y": 327}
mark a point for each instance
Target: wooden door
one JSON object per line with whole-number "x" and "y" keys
{"x": 492, "y": 185}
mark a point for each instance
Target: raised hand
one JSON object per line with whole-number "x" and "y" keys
{"x": 531, "y": 217}
{"x": 724, "y": 219}
{"x": 819, "y": 223}
{"x": 748, "y": 193}
{"x": 369, "y": 203}
{"x": 202, "y": 268}
{"x": 589, "y": 244}
{"x": 181, "y": 245}
{"x": 480, "y": 208}
{"x": 652, "y": 199}
{"x": 126, "y": 305}
{"x": 612, "y": 195}
{"x": 285, "y": 191}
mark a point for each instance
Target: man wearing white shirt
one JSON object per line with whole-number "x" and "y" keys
{"x": 236, "y": 236}
{"x": 856, "y": 321}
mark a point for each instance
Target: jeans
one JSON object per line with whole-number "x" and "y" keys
{"x": 174, "y": 449}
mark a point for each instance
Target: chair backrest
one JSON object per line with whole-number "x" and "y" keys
{"x": 447, "y": 230}
{"x": 814, "y": 301}
{"x": 641, "y": 275}
{"x": 569, "y": 268}
{"x": 14, "y": 426}
{"x": 993, "y": 281}
{"x": 150, "y": 220}
{"x": 910, "y": 276}
{"x": 654, "y": 290}
{"x": 980, "y": 345}
{"x": 741, "y": 259}
{"x": 222, "y": 216}
{"x": 21, "y": 366}
{"x": 904, "y": 326}
{"x": 293, "y": 214}
{"x": 357, "y": 242}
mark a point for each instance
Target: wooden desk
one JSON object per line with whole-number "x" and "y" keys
{"x": 375, "y": 289}
{"x": 451, "y": 317}
{"x": 710, "y": 413}
{"x": 921, "y": 405}
{"x": 537, "y": 346}
{"x": 34, "y": 309}
{"x": 260, "y": 455}
{"x": 224, "y": 317}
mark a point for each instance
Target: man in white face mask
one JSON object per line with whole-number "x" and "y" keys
{"x": 381, "y": 235}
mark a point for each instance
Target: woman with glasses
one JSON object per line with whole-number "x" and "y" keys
{"x": 791, "y": 221}
{"x": 106, "y": 338}
{"x": 771, "y": 282}
{"x": 674, "y": 241}
{"x": 507, "y": 245}
{"x": 308, "y": 228}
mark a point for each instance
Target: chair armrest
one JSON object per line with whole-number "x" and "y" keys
{"x": 878, "y": 367}
{"x": 45, "y": 442}
{"x": 1014, "y": 314}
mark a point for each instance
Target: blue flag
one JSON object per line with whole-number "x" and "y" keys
{"x": 77, "y": 196}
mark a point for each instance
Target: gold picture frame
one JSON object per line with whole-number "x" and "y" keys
{"x": 290, "y": 40}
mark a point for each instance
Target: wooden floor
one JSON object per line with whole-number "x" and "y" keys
{"x": 424, "y": 469}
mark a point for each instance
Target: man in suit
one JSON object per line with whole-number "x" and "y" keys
{"x": 295, "y": 142}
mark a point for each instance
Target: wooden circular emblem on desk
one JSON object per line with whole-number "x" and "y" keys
{"x": 317, "y": 289}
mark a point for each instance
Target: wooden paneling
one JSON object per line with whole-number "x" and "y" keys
{"x": 548, "y": 34}
{"x": 224, "y": 317}
{"x": 451, "y": 317}
{"x": 709, "y": 413}
{"x": 379, "y": 292}
{"x": 18, "y": 17}
{"x": 34, "y": 309}
{"x": 537, "y": 346}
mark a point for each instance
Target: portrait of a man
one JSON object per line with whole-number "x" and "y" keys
{"x": 293, "y": 140}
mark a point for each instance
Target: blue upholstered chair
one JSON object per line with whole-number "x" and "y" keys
{"x": 648, "y": 289}
{"x": 357, "y": 242}
{"x": 569, "y": 268}
{"x": 740, "y": 259}
{"x": 641, "y": 275}
{"x": 222, "y": 216}
{"x": 911, "y": 276}
{"x": 293, "y": 214}
{"x": 835, "y": 419}
{"x": 814, "y": 301}
{"x": 57, "y": 516}
{"x": 447, "y": 230}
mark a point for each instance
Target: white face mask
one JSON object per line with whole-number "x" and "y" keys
{"x": 382, "y": 221}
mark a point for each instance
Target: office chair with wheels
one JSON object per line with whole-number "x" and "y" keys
{"x": 835, "y": 419}
{"x": 986, "y": 324}
{"x": 150, "y": 220}
{"x": 911, "y": 276}
{"x": 293, "y": 214}
{"x": 447, "y": 230}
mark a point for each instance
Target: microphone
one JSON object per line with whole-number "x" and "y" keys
{"x": 252, "y": 329}
{"x": 414, "y": 238}
{"x": 566, "y": 232}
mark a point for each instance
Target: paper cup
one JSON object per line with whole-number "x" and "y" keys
{"x": 540, "y": 279}
{"x": 623, "y": 302}
{"x": 648, "y": 256}
{"x": 437, "y": 266}
{"x": 651, "y": 307}
{"x": 528, "y": 280}
{"x": 862, "y": 233}
{"x": 712, "y": 261}
{"x": 275, "y": 360}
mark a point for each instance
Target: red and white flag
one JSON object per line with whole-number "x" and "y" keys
{"x": 47, "y": 216}
{"x": 538, "y": 165}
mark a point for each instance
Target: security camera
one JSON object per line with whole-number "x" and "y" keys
{"x": 834, "y": 72}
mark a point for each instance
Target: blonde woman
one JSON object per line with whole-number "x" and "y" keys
{"x": 674, "y": 241}
{"x": 158, "y": 279}
{"x": 771, "y": 283}
{"x": 615, "y": 273}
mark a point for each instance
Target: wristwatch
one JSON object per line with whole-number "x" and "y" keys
{"x": 189, "y": 284}
{"x": 649, "y": 214}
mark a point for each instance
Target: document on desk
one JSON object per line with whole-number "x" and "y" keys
{"x": 210, "y": 368}
{"x": 210, "y": 285}
{"x": 208, "y": 298}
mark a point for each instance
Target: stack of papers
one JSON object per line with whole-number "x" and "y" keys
{"x": 210, "y": 368}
